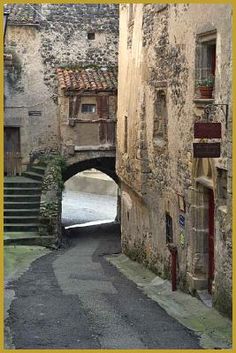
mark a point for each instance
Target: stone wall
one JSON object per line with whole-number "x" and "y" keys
{"x": 51, "y": 198}
{"x": 159, "y": 176}
{"x": 42, "y": 37}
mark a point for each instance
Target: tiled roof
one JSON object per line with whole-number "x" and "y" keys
{"x": 87, "y": 79}
{"x": 23, "y": 14}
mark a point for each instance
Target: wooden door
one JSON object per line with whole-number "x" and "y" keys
{"x": 12, "y": 157}
{"x": 211, "y": 233}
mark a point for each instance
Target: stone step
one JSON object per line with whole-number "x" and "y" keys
{"x": 21, "y": 205}
{"x": 33, "y": 175}
{"x": 22, "y": 191}
{"x": 21, "y": 182}
{"x": 28, "y": 238}
{"x": 20, "y": 219}
{"x": 37, "y": 169}
{"x": 18, "y": 227}
{"x": 22, "y": 198}
{"x": 21, "y": 212}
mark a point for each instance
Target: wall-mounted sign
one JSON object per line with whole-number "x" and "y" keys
{"x": 207, "y": 130}
{"x": 206, "y": 150}
{"x": 35, "y": 113}
{"x": 181, "y": 221}
{"x": 182, "y": 239}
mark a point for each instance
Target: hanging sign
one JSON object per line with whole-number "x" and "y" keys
{"x": 206, "y": 150}
{"x": 207, "y": 130}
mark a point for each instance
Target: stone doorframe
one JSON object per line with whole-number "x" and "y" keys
{"x": 203, "y": 179}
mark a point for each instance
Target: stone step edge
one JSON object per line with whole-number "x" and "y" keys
{"x": 46, "y": 241}
{"x": 23, "y": 188}
{"x": 21, "y": 209}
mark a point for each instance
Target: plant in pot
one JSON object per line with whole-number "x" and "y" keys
{"x": 206, "y": 87}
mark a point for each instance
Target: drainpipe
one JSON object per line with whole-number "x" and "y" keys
{"x": 173, "y": 250}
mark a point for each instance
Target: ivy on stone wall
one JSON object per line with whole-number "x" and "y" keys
{"x": 50, "y": 205}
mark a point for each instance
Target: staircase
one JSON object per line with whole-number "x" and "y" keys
{"x": 22, "y": 201}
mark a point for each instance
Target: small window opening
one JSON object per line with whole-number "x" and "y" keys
{"x": 222, "y": 186}
{"x": 88, "y": 108}
{"x": 160, "y": 116}
{"x": 126, "y": 135}
{"x": 91, "y": 36}
{"x": 169, "y": 229}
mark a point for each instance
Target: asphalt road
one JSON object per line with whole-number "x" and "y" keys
{"x": 73, "y": 298}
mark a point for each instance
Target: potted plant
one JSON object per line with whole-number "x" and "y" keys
{"x": 206, "y": 87}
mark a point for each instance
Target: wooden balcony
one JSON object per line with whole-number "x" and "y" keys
{"x": 93, "y": 134}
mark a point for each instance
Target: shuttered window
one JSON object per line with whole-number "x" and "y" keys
{"x": 103, "y": 107}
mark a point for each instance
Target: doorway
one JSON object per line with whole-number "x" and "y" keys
{"x": 202, "y": 241}
{"x": 12, "y": 155}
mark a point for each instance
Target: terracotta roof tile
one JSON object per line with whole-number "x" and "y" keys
{"x": 87, "y": 79}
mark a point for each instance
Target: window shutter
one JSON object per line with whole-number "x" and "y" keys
{"x": 76, "y": 106}
{"x": 199, "y": 62}
{"x": 99, "y": 106}
{"x": 71, "y": 107}
{"x": 103, "y": 107}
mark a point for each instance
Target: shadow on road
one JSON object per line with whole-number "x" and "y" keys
{"x": 110, "y": 230}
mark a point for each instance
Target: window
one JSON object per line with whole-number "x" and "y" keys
{"x": 91, "y": 36}
{"x": 160, "y": 115}
{"x": 206, "y": 64}
{"x": 126, "y": 135}
{"x": 131, "y": 12}
{"x": 88, "y": 108}
{"x": 169, "y": 229}
{"x": 222, "y": 186}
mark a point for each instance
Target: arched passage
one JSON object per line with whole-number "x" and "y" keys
{"x": 104, "y": 164}
{"x": 86, "y": 192}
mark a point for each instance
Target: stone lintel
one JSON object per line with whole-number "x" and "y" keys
{"x": 94, "y": 148}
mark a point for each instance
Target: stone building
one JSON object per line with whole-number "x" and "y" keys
{"x": 41, "y": 38}
{"x": 48, "y": 113}
{"x": 169, "y": 198}
{"x": 87, "y": 112}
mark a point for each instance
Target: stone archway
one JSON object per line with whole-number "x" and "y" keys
{"x": 105, "y": 165}
{"x": 202, "y": 218}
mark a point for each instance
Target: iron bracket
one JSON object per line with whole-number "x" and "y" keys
{"x": 212, "y": 108}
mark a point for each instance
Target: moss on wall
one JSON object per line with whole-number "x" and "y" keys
{"x": 50, "y": 205}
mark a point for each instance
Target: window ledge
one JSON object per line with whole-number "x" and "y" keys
{"x": 201, "y": 102}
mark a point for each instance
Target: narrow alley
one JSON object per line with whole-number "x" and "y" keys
{"x": 74, "y": 298}
{"x": 118, "y": 166}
